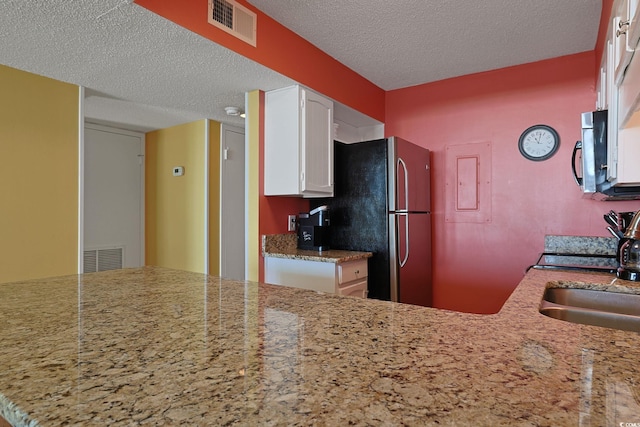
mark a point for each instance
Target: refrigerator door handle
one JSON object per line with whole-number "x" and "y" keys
{"x": 406, "y": 183}
{"x": 406, "y": 238}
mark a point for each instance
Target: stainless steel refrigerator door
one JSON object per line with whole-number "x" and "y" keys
{"x": 410, "y": 244}
{"x": 409, "y": 177}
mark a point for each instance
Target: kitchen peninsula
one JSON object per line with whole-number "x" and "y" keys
{"x": 165, "y": 347}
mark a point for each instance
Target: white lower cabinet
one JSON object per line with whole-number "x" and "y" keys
{"x": 346, "y": 278}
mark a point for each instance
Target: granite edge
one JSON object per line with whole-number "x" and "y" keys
{"x": 331, "y": 256}
{"x": 14, "y": 415}
{"x": 285, "y": 246}
{"x": 615, "y": 286}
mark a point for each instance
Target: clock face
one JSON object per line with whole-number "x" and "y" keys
{"x": 539, "y": 142}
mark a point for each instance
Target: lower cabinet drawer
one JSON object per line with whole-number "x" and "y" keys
{"x": 357, "y": 289}
{"x": 350, "y": 271}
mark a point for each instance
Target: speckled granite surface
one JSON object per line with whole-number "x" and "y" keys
{"x": 580, "y": 244}
{"x": 286, "y": 246}
{"x": 164, "y": 347}
{"x": 602, "y": 246}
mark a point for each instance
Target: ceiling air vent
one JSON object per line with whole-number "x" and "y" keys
{"x": 233, "y": 18}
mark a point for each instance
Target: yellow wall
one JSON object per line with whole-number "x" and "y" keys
{"x": 174, "y": 206}
{"x": 38, "y": 176}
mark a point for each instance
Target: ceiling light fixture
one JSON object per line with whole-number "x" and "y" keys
{"x": 233, "y": 111}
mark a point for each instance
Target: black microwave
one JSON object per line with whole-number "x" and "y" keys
{"x": 592, "y": 152}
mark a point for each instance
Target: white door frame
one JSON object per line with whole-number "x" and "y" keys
{"x": 80, "y": 179}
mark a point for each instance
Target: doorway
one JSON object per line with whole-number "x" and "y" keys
{"x": 232, "y": 203}
{"x": 113, "y": 198}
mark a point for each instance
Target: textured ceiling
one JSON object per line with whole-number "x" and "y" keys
{"x": 143, "y": 72}
{"x": 140, "y": 70}
{"x": 404, "y": 43}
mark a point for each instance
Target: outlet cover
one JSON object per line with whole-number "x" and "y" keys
{"x": 291, "y": 225}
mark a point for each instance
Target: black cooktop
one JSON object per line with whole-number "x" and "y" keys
{"x": 603, "y": 263}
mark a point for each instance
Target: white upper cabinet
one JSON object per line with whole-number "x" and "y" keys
{"x": 622, "y": 51}
{"x": 624, "y": 32}
{"x": 633, "y": 27}
{"x": 298, "y": 143}
{"x": 619, "y": 93}
{"x": 629, "y": 84}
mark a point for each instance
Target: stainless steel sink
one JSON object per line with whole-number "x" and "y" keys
{"x": 593, "y": 307}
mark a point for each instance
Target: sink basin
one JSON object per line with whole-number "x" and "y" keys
{"x": 593, "y": 307}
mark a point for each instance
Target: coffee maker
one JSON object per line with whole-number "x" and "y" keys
{"x": 313, "y": 229}
{"x": 629, "y": 251}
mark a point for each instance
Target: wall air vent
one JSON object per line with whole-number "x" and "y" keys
{"x": 95, "y": 260}
{"x": 234, "y": 18}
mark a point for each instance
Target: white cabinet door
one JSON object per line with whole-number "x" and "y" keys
{"x": 627, "y": 120}
{"x": 352, "y": 272}
{"x": 619, "y": 28}
{"x": 629, "y": 92}
{"x": 317, "y": 144}
{"x": 282, "y": 142}
{"x": 298, "y": 143}
{"x": 619, "y": 93}
{"x": 352, "y": 278}
{"x": 633, "y": 30}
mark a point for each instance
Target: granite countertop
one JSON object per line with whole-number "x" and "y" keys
{"x": 285, "y": 246}
{"x": 165, "y": 347}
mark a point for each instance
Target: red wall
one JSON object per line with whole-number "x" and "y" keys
{"x": 477, "y": 266}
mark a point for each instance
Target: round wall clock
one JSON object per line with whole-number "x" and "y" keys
{"x": 539, "y": 142}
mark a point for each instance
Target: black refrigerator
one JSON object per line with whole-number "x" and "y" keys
{"x": 382, "y": 204}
